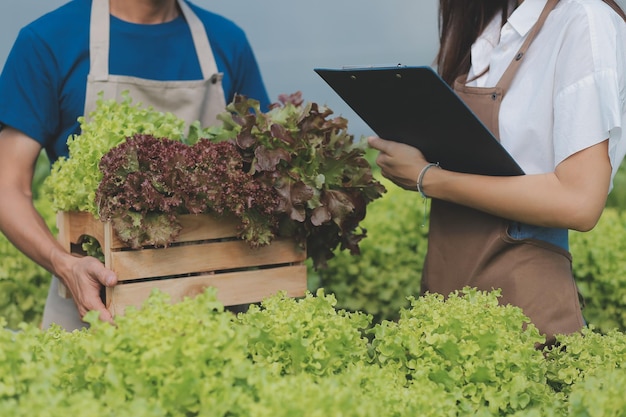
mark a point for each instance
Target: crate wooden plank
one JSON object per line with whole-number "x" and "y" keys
{"x": 201, "y": 227}
{"x": 194, "y": 227}
{"x": 232, "y": 288}
{"x": 73, "y": 225}
{"x": 202, "y": 257}
{"x": 64, "y": 237}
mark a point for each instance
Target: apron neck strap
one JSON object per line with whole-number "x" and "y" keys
{"x": 507, "y": 77}
{"x": 200, "y": 41}
{"x": 99, "y": 40}
{"x": 99, "y": 28}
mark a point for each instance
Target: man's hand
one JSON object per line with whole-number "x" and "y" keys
{"x": 87, "y": 276}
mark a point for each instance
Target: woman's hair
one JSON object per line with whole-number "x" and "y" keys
{"x": 461, "y": 22}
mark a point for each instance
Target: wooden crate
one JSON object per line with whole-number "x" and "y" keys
{"x": 206, "y": 253}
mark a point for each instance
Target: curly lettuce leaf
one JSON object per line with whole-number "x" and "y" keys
{"x": 73, "y": 181}
{"x": 320, "y": 173}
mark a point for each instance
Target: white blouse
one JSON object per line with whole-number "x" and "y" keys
{"x": 570, "y": 91}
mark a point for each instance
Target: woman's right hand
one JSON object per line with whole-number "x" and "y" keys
{"x": 398, "y": 162}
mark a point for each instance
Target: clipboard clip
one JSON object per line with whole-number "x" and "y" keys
{"x": 353, "y": 76}
{"x": 349, "y": 67}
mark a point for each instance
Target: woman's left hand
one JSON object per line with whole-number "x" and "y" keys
{"x": 398, "y": 162}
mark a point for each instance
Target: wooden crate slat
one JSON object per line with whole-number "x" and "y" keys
{"x": 65, "y": 239}
{"x": 195, "y": 227}
{"x": 198, "y": 227}
{"x": 63, "y": 235}
{"x": 232, "y": 288}
{"x": 202, "y": 257}
{"x": 73, "y": 225}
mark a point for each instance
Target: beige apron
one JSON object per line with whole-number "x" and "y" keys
{"x": 190, "y": 100}
{"x": 467, "y": 247}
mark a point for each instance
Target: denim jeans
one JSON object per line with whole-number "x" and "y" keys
{"x": 556, "y": 236}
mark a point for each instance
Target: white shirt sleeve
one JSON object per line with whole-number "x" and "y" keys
{"x": 590, "y": 85}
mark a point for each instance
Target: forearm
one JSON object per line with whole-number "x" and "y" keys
{"x": 26, "y": 229}
{"x": 542, "y": 200}
{"x": 572, "y": 197}
{"x": 19, "y": 220}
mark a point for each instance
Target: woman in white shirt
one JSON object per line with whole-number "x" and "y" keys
{"x": 548, "y": 78}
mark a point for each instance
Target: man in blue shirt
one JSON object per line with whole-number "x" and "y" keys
{"x": 54, "y": 73}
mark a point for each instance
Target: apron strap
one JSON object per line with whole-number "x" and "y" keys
{"x": 99, "y": 29}
{"x": 99, "y": 40}
{"x": 507, "y": 78}
{"x": 200, "y": 41}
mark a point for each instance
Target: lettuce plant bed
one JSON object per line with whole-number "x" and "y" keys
{"x": 206, "y": 252}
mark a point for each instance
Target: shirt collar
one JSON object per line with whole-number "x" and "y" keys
{"x": 526, "y": 15}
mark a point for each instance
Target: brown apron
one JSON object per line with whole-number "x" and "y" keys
{"x": 467, "y": 247}
{"x": 190, "y": 100}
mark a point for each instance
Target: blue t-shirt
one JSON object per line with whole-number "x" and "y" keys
{"x": 43, "y": 83}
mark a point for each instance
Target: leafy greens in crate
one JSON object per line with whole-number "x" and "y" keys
{"x": 291, "y": 171}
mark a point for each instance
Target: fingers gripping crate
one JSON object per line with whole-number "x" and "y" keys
{"x": 206, "y": 253}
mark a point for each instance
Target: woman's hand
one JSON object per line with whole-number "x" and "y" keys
{"x": 398, "y": 162}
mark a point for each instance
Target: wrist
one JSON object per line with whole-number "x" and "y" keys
{"x": 61, "y": 264}
{"x": 422, "y": 174}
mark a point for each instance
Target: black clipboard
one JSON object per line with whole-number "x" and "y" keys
{"x": 414, "y": 105}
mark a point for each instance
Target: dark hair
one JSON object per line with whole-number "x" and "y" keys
{"x": 460, "y": 23}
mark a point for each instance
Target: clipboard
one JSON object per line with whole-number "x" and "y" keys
{"x": 414, "y": 105}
